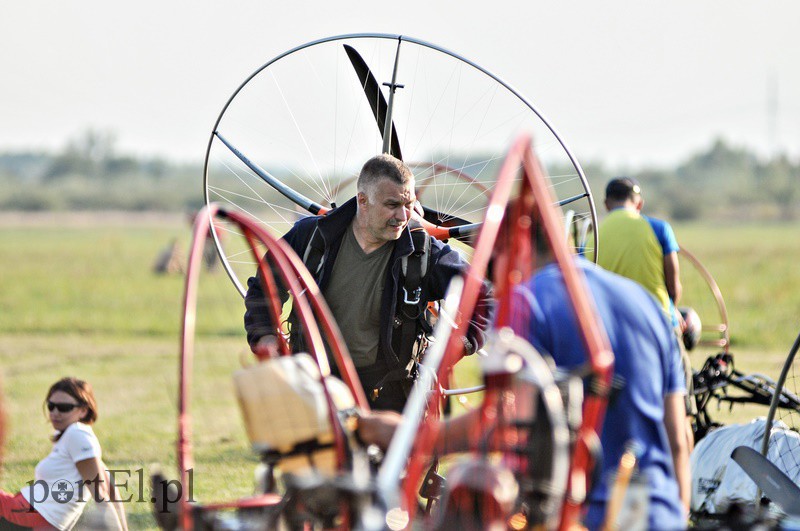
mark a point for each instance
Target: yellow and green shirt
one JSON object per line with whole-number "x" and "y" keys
{"x": 634, "y": 246}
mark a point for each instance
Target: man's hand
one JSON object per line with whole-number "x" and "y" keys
{"x": 378, "y": 427}
{"x": 266, "y": 347}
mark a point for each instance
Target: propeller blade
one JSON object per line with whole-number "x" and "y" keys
{"x": 770, "y": 479}
{"x": 443, "y": 220}
{"x": 463, "y": 233}
{"x": 375, "y": 97}
{"x": 446, "y": 221}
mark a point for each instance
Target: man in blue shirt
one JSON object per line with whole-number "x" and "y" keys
{"x": 648, "y": 411}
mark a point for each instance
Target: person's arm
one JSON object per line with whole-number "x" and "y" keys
{"x": 454, "y": 433}
{"x": 675, "y": 422}
{"x": 96, "y": 480}
{"x": 116, "y": 502}
{"x": 258, "y": 320}
{"x": 480, "y": 321}
{"x": 672, "y": 277}
{"x": 378, "y": 428}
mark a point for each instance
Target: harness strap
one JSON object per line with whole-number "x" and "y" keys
{"x": 411, "y": 309}
{"x": 410, "y": 312}
{"x": 314, "y": 256}
{"x": 402, "y": 374}
{"x": 414, "y": 267}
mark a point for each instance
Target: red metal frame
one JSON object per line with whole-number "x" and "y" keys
{"x": 512, "y": 255}
{"x": 504, "y": 236}
{"x": 442, "y": 169}
{"x": 311, "y": 309}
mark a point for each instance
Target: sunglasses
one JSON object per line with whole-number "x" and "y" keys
{"x": 63, "y": 408}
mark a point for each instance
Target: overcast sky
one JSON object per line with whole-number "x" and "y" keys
{"x": 630, "y": 83}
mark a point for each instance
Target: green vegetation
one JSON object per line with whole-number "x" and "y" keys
{"x": 88, "y": 174}
{"x": 722, "y": 182}
{"x": 79, "y": 298}
{"x": 755, "y": 267}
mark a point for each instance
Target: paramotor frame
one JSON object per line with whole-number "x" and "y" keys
{"x": 506, "y": 239}
{"x": 309, "y": 122}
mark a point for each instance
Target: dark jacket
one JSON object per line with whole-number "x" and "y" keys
{"x": 445, "y": 263}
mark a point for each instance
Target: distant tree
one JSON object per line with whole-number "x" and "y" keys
{"x": 116, "y": 166}
{"x": 722, "y": 167}
{"x": 779, "y": 182}
{"x": 722, "y": 181}
{"x": 85, "y": 155}
{"x": 156, "y": 167}
{"x": 25, "y": 165}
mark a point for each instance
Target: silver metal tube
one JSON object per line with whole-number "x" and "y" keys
{"x": 414, "y": 413}
{"x": 464, "y": 390}
{"x": 387, "y": 124}
{"x": 301, "y": 200}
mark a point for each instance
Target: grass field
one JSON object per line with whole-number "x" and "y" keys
{"x": 79, "y": 298}
{"x": 756, "y": 269}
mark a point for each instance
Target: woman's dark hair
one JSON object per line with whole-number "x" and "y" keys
{"x": 80, "y": 391}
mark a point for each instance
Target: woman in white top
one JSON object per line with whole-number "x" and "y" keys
{"x": 72, "y": 474}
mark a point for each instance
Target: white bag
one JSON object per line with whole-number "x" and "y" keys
{"x": 718, "y": 481}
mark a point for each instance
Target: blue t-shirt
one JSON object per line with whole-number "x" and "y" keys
{"x": 646, "y": 357}
{"x": 664, "y": 234}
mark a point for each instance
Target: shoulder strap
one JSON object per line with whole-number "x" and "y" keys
{"x": 414, "y": 267}
{"x": 313, "y": 257}
{"x": 410, "y": 310}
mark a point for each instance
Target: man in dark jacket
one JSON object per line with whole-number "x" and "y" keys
{"x": 364, "y": 242}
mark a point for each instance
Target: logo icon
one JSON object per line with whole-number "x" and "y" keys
{"x": 62, "y": 491}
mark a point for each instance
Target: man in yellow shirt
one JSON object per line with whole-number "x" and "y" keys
{"x": 639, "y": 247}
{"x": 645, "y": 250}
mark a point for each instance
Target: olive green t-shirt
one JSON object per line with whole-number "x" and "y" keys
{"x": 354, "y": 295}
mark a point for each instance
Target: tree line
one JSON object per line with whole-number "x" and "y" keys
{"x": 90, "y": 174}
{"x": 719, "y": 182}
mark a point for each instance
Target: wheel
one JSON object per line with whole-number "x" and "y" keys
{"x": 701, "y": 293}
{"x": 312, "y": 116}
{"x": 785, "y": 407}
